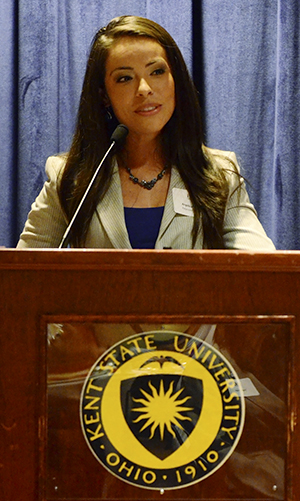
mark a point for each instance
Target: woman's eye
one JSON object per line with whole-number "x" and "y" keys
{"x": 124, "y": 78}
{"x": 159, "y": 71}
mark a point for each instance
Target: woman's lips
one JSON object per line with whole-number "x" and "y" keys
{"x": 149, "y": 109}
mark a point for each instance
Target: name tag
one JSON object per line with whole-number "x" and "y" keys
{"x": 182, "y": 202}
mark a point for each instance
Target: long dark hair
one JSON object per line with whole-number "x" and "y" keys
{"x": 182, "y": 138}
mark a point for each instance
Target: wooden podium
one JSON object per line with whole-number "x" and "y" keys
{"x": 60, "y": 310}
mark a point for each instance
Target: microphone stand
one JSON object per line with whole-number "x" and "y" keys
{"x": 117, "y": 137}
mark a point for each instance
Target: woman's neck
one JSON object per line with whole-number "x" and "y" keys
{"x": 143, "y": 161}
{"x": 141, "y": 151}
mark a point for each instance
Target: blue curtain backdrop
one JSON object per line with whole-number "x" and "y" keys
{"x": 244, "y": 55}
{"x": 251, "y": 88}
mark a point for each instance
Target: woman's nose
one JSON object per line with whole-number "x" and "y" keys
{"x": 144, "y": 88}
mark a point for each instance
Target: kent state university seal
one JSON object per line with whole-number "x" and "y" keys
{"x": 162, "y": 410}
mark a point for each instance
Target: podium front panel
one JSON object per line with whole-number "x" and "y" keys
{"x": 196, "y": 354}
{"x": 77, "y": 469}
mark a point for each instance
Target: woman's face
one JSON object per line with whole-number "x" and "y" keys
{"x": 139, "y": 85}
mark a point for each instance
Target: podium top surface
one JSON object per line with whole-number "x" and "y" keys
{"x": 284, "y": 261}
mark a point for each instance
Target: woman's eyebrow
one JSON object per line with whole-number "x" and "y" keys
{"x": 121, "y": 68}
{"x": 158, "y": 60}
{"x": 131, "y": 68}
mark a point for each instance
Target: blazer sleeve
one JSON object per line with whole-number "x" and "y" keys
{"x": 242, "y": 229}
{"x": 46, "y": 222}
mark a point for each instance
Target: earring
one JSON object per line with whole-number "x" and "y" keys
{"x": 108, "y": 112}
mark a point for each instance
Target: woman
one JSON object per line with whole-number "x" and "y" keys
{"x": 164, "y": 188}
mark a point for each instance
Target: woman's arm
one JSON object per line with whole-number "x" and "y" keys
{"x": 46, "y": 222}
{"x": 242, "y": 230}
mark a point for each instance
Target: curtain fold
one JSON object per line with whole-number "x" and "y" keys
{"x": 251, "y": 85}
{"x": 8, "y": 120}
{"x": 285, "y": 210}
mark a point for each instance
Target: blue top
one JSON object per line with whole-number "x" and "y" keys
{"x": 143, "y": 226}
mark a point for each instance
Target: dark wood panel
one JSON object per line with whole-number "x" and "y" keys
{"x": 139, "y": 286}
{"x": 257, "y": 349}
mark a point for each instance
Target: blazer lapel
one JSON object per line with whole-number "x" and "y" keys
{"x": 169, "y": 212}
{"x": 111, "y": 213}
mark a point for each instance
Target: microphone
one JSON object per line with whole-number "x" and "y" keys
{"x": 116, "y": 140}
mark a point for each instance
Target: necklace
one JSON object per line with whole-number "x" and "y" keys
{"x": 148, "y": 185}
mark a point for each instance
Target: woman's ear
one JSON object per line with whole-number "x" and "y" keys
{"x": 106, "y": 100}
{"x": 104, "y": 97}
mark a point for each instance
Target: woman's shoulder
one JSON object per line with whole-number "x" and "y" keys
{"x": 221, "y": 157}
{"x": 55, "y": 164}
{"x": 225, "y": 162}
